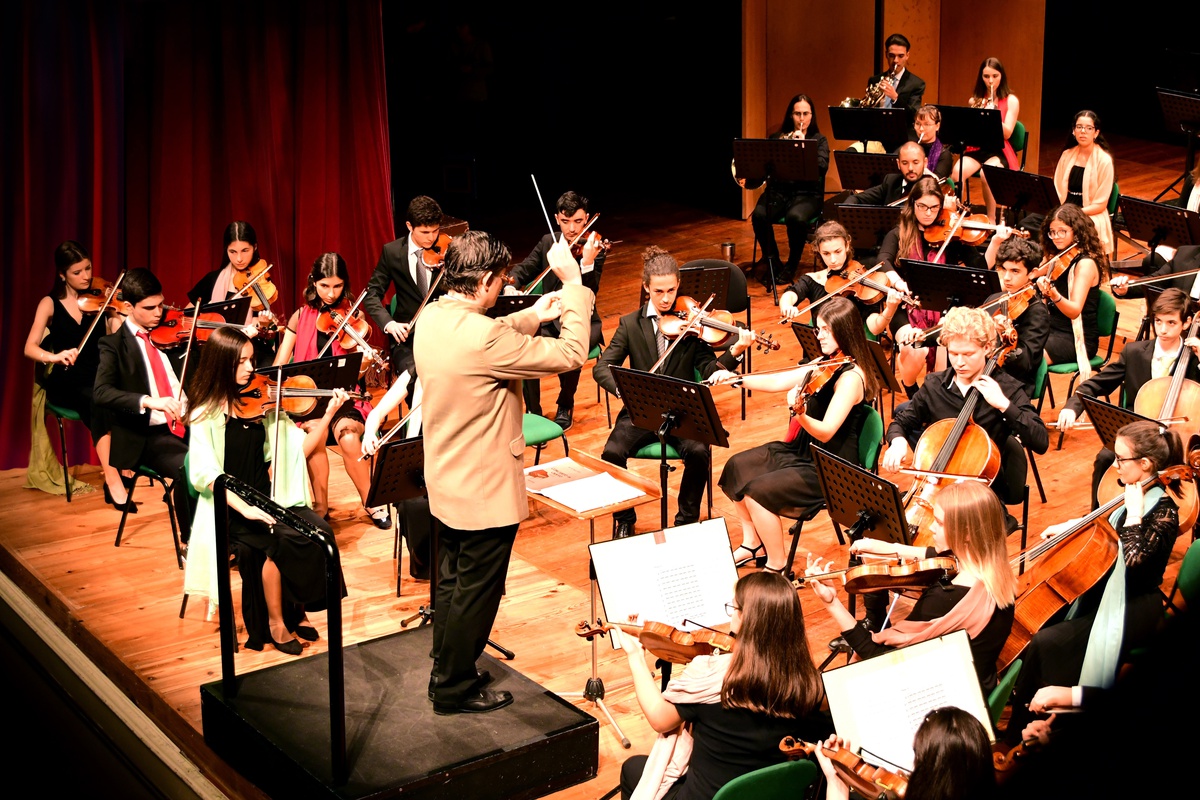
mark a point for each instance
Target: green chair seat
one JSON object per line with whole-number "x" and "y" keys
{"x": 538, "y": 431}
{"x": 785, "y": 781}
{"x": 1000, "y": 695}
{"x": 1068, "y": 367}
{"x": 67, "y": 414}
{"x": 62, "y": 415}
{"x": 653, "y": 450}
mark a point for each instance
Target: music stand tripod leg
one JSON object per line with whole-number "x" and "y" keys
{"x": 670, "y": 420}
{"x": 594, "y": 690}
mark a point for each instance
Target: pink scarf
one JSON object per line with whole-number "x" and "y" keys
{"x": 306, "y": 346}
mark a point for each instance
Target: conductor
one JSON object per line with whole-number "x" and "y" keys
{"x": 472, "y": 367}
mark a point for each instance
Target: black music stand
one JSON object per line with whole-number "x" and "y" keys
{"x": 863, "y": 170}
{"x": 806, "y": 335}
{"x": 1023, "y": 192}
{"x": 1181, "y": 109}
{"x": 1157, "y": 223}
{"x": 1107, "y": 419}
{"x": 331, "y": 372}
{"x": 963, "y": 127}
{"x": 234, "y": 311}
{"x": 399, "y": 475}
{"x": 511, "y": 303}
{"x": 868, "y": 225}
{"x": 671, "y": 407}
{"x": 941, "y": 287}
{"x": 888, "y": 126}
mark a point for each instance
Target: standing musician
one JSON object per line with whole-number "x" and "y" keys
{"x": 471, "y": 366}
{"x": 969, "y": 524}
{"x": 833, "y": 246}
{"x": 913, "y": 164}
{"x": 926, "y": 126}
{"x": 991, "y": 91}
{"x": 54, "y": 341}
{"x": 137, "y": 384}
{"x": 797, "y": 203}
{"x": 1139, "y": 363}
{"x": 901, "y": 88}
{"x": 781, "y": 477}
{"x": 907, "y": 240}
{"x": 638, "y": 338}
{"x": 1015, "y": 260}
{"x": 571, "y": 214}
{"x": 726, "y": 714}
{"x": 328, "y": 286}
{"x": 282, "y": 571}
{"x": 1084, "y": 175}
{"x": 400, "y": 266}
{"x": 1073, "y": 290}
{"x": 241, "y": 253}
{"x": 1122, "y": 611}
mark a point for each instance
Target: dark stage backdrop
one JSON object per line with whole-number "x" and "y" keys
{"x": 142, "y": 129}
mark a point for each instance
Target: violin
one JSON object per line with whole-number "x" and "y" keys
{"x": 665, "y": 641}
{"x": 355, "y": 334}
{"x": 594, "y": 238}
{"x": 98, "y": 296}
{"x": 890, "y": 574}
{"x": 1005, "y": 761}
{"x": 1054, "y": 266}
{"x": 175, "y": 327}
{"x": 950, "y": 449}
{"x": 256, "y": 279}
{"x": 1067, "y": 565}
{"x": 972, "y": 229}
{"x": 299, "y": 396}
{"x": 865, "y": 779}
{"x": 852, "y": 276}
{"x": 715, "y": 327}
{"x": 821, "y": 374}
{"x": 433, "y": 256}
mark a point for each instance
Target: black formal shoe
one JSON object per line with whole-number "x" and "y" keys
{"x": 839, "y": 645}
{"x": 380, "y": 517}
{"x": 478, "y": 702}
{"x": 307, "y": 633}
{"x": 622, "y": 529}
{"x": 108, "y": 498}
{"x": 291, "y": 647}
{"x": 564, "y": 416}
{"x": 482, "y": 678}
{"x": 685, "y": 521}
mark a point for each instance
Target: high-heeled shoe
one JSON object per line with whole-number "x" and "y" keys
{"x": 108, "y": 498}
{"x": 291, "y": 647}
{"x": 759, "y": 560}
{"x": 307, "y": 633}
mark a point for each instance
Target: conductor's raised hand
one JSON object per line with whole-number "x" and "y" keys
{"x": 563, "y": 263}
{"x": 548, "y": 307}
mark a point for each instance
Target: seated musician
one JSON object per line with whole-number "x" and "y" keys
{"x": 1185, "y": 259}
{"x": 400, "y": 266}
{"x": 1124, "y": 609}
{"x": 639, "y": 339}
{"x": 240, "y": 242}
{"x": 832, "y": 243}
{"x": 908, "y": 240}
{"x": 282, "y": 571}
{"x": 138, "y": 385}
{"x": 328, "y": 286}
{"x": 991, "y": 91}
{"x": 1015, "y": 260}
{"x": 969, "y": 335}
{"x": 1074, "y": 294}
{"x": 732, "y": 708}
{"x": 67, "y": 370}
{"x": 780, "y": 478}
{"x": 571, "y": 214}
{"x": 939, "y": 160}
{"x": 896, "y": 185}
{"x": 1139, "y": 363}
{"x": 969, "y": 524}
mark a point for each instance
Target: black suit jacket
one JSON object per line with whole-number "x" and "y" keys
{"x": 891, "y": 190}
{"x": 1033, "y": 328}
{"x": 121, "y": 383}
{"x": 910, "y": 93}
{"x": 1186, "y": 258}
{"x": 636, "y": 341}
{"x": 393, "y": 269}
{"x": 1128, "y": 374}
{"x": 536, "y": 261}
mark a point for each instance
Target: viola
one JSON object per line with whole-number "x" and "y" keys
{"x": 1005, "y": 761}
{"x": 355, "y": 334}
{"x": 865, "y": 779}
{"x": 176, "y": 324}
{"x": 98, "y": 296}
{"x": 891, "y": 574}
{"x": 950, "y": 449}
{"x": 664, "y": 641}
{"x": 713, "y": 326}
{"x": 299, "y": 396}
{"x": 1065, "y": 566}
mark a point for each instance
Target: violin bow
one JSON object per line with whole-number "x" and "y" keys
{"x": 345, "y": 321}
{"x": 959, "y": 218}
{"x": 387, "y": 437}
{"x": 692, "y": 323}
{"x": 437, "y": 279}
{"x": 546, "y": 271}
{"x": 187, "y": 353}
{"x": 103, "y": 308}
{"x": 253, "y": 284}
{"x": 542, "y": 204}
{"x": 866, "y": 274}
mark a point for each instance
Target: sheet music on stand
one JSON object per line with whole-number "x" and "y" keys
{"x": 669, "y": 576}
{"x": 331, "y": 372}
{"x": 880, "y": 703}
{"x": 577, "y": 487}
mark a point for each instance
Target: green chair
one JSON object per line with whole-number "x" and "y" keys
{"x": 594, "y": 355}
{"x": 1106, "y": 322}
{"x": 1000, "y": 695}
{"x": 786, "y": 781}
{"x": 62, "y": 415}
{"x": 539, "y": 431}
{"x": 653, "y": 452}
{"x": 166, "y": 483}
{"x": 1020, "y": 141}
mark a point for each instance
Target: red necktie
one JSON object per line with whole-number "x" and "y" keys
{"x": 161, "y": 381}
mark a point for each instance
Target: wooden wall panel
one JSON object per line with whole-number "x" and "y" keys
{"x": 918, "y": 21}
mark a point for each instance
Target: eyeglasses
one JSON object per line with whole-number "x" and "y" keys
{"x": 1120, "y": 460}
{"x": 1053, "y": 234}
{"x": 1085, "y": 128}
{"x": 927, "y": 208}
{"x": 730, "y": 608}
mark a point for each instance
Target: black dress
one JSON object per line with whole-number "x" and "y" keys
{"x": 782, "y": 476}
{"x": 1060, "y": 346}
{"x": 300, "y": 560}
{"x": 71, "y": 387}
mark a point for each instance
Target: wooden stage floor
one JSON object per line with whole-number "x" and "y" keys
{"x": 120, "y": 605}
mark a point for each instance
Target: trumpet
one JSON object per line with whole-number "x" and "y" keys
{"x": 983, "y": 102}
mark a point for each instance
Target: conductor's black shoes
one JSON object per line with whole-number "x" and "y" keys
{"x": 478, "y": 702}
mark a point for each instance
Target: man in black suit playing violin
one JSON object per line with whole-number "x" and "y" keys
{"x": 639, "y": 338}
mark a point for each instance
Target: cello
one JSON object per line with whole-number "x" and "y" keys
{"x": 952, "y": 449}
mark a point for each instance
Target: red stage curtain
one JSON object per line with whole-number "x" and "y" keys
{"x": 145, "y": 128}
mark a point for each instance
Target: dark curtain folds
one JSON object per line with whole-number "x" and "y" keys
{"x": 142, "y": 129}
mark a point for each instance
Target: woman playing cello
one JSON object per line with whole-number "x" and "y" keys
{"x": 1121, "y": 612}
{"x": 968, "y": 522}
{"x": 780, "y": 477}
